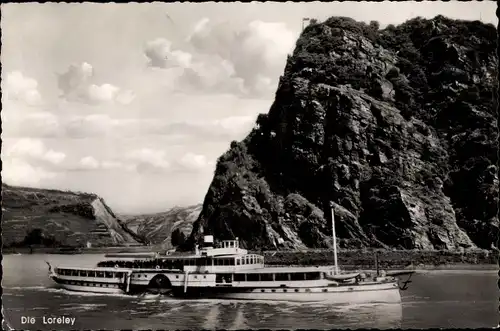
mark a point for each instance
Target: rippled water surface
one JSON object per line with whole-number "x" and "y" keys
{"x": 441, "y": 299}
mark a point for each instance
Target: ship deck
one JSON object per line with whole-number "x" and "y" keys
{"x": 283, "y": 269}
{"x": 95, "y": 268}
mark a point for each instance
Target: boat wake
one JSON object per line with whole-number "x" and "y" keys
{"x": 65, "y": 292}
{"x": 24, "y": 287}
{"x": 82, "y": 306}
{"x": 231, "y": 302}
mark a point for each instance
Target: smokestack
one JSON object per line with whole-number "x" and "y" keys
{"x": 208, "y": 241}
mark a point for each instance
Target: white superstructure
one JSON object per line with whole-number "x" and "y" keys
{"x": 229, "y": 271}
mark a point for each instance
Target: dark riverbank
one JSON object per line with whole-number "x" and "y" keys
{"x": 79, "y": 250}
{"x": 387, "y": 259}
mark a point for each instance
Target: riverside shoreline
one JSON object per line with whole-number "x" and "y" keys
{"x": 349, "y": 259}
{"x": 387, "y": 259}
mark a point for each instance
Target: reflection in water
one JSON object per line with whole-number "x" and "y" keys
{"x": 148, "y": 312}
{"x": 212, "y": 318}
{"x": 434, "y": 300}
{"x": 239, "y": 321}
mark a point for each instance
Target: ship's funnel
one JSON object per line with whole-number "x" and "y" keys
{"x": 208, "y": 241}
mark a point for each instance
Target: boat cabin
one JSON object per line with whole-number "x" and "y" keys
{"x": 264, "y": 277}
{"x": 278, "y": 276}
{"x": 90, "y": 273}
{"x": 228, "y": 257}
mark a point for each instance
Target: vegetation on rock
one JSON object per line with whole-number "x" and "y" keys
{"x": 178, "y": 238}
{"x": 395, "y": 127}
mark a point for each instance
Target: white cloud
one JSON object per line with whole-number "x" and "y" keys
{"x": 107, "y": 127}
{"x": 233, "y": 127}
{"x": 257, "y": 52}
{"x": 248, "y": 61}
{"x": 147, "y": 159}
{"x": 88, "y": 162}
{"x": 94, "y": 125}
{"x": 33, "y": 149}
{"x": 195, "y": 162}
{"x": 125, "y": 97}
{"x": 54, "y": 157}
{"x": 160, "y": 55}
{"x": 22, "y": 109}
{"x": 18, "y": 87}
{"x": 21, "y": 121}
{"x": 16, "y": 171}
{"x": 77, "y": 84}
{"x": 75, "y": 81}
{"x": 103, "y": 93}
{"x": 28, "y": 162}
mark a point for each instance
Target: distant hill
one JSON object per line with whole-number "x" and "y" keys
{"x": 158, "y": 228}
{"x": 42, "y": 217}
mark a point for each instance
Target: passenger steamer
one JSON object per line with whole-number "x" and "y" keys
{"x": 230, "y": 272}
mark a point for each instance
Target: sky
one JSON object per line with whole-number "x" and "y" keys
{"x": 135, "y": 102}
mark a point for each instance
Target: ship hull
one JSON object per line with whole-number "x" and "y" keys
{"x": 353, "y": 294}
{"x": 85, "y": 288}
{"x": 353, "y": 297}
{"x": 88, "y": 285}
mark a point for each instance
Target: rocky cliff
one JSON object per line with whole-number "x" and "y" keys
{"x": 32, "y": 216}
{"x": 395, "y": 127}
{"x": 158, "y": 228}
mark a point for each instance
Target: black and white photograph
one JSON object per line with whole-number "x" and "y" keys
{"x": 258, "y": 165}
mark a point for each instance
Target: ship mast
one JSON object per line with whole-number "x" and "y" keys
{"x": 334, "y": 242}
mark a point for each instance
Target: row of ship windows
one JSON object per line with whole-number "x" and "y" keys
{"x": 254, "y": 277}
{"x": 176, "y": 276}
{"x": 261, "y": 277}
{"x": 177, "y": 264}
{"x": 250, "y": 259}
{"x": 90, "y": 284}
{"x": 89, "y": 273}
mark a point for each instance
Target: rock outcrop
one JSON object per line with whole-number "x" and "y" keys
{"x": 395, "y": 127}
{"x": 32, "y": 216}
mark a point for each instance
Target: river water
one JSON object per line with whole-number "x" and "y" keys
{"x": 435, "y": 299}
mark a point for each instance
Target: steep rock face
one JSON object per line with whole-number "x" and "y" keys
{"x": 67, "y": 218}
{"x": 395, "y": 127}
{"x": 157, "y": 228}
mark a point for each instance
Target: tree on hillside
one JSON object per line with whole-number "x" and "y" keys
{"x": 178, "y": 237}
{"x": 36, "y": 237}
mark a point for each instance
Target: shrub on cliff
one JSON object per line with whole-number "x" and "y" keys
{"x": 36, "y": 237}
{"x": 81, "y": 209}
{"x": 178, "y": 238}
